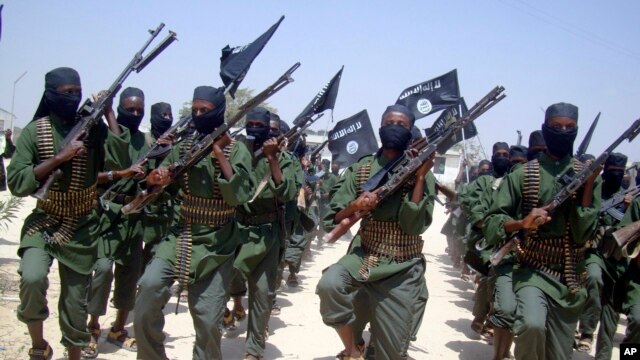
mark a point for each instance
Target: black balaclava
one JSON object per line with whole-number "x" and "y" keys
{"x": 396, "y": 137}
{"x": 125, "y": 117}
{"x": 485, "y": 172}
{"x": 612, "y": 178}
{"x": 261, "y": 133}
{"x": 274, "y": 133}
{"x": 160, "y": 124}
{"x": 500, "y": 163}
{"x": 536, "y": 144}
{"x": 206, "y": 123}
{"x": 517, "y": 154}
{"x": 62, "y": 105}
{"x": 560, "y": 142}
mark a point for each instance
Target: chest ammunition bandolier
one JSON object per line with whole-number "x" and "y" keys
{"x": 384, "y": 238}
{"x": 214, "y": 212}
{"x": 63, "y": 208}
{"x": 556, "y": 257}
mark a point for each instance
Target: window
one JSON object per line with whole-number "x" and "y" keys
{"x": 439, "y": 164}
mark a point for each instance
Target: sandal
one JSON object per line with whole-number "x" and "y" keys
{"x": 342, "y": 356}
{"x": 248, "y": 356}
{"x": 122, "y": 340}
{"x": 240, "y": 313}
{"x": 228, "y": 321}
{"x": 292, "y": 280}
{"x": 584, "y": 345}
{"x": 41, "y": 354}
{"x": 91, "y": 351}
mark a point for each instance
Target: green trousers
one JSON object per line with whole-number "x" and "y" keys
{"x": 482, "y": 303}
{"x": 543, "y": 329}
{"x": 504, "y": 299}
{"x": 391, "y": 305}
{"x": 124, "y": 292}
{"x": 297, "y": 243}
{"x": 72, "y": 305}
{"x": 207, "y": 300}
{"x": 593, "y": 306}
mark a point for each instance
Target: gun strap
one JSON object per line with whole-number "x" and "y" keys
{"x": 556, "y": 257}
{"x": 62, "y": 208}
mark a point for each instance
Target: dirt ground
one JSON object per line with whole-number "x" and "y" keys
{"x": 297, "y": 333}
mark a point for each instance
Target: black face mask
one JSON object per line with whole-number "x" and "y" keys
{"x": 259, "y": 133}
{"x": 209, "y": 121}
{"x": 128, "y": 119}
{"x": 395, "y": 137}
{"x": 612, "y": 180}
{"x": 273, "y": 133}
{"x": 159, "y": 124}
{"x": 483, "y": 173}
{"x": 559, "y": 142}
{"x": 500, "y": 164}
{"x": 63, "y": 105}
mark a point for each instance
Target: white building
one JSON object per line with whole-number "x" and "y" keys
{"x": 5, "y": 118}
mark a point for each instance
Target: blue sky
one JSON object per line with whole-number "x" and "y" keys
{"x": 542, "y": 52}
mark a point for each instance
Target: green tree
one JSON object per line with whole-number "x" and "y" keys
{"x": 233, "y": 105}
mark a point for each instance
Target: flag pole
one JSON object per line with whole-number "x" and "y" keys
{"x": 464, "y": 143}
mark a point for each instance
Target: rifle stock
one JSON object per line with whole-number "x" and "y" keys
{"x": 627, "y": 238}
{"x": 202, "y": 148}
{"x": 90, "y": 112}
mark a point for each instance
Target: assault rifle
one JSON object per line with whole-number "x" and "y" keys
{"x": 91, "y": 112}
{"x": 156, "y": 151}
{"x": 609, "y": 205}
{"x": 406, "y": 166}
{"x": 316, "y": 151}
{"x": 294, "y": 133}
{"x": 568, "y": 190}
{"x": 202, "y": 148}
{"x": 627, "y": 238}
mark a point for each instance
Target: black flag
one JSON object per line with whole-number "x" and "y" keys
{"x": 325, "y": 99}
{"x": 235, "y": 62}
{"x": 446, "y": 118}
{"x": 432, "y": 95}
{"x": 351, "y": 139}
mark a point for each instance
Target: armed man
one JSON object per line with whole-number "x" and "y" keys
{"x": 120, "y": 237}
{"x": 391, "y": 273}
{"x": 55, "y": 230}
{"x": 537, "y": 146}
{"x": 261, "y": 221}
{"x": 605, "y": 266}
{"x": 199, "y": 249}
{"x": 477, "y": 203}
{"x": 158, "y": 216}
{"x": 9, "y": 149}
{"x": 548, "y": 280}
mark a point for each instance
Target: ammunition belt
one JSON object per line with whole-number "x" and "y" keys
{"x": 199, "y": 210}
{"x": 183, "y": 258}
{"x": 386, "y": 238}
{"x": 62, "y": 208}
{"x": 254, "y": 220}
{"x": 556, "y": 257}
{"x": 362, "y": 175}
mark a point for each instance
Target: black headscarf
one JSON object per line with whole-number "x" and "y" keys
{"x": 536, "y": 145}
{"x": 518, "y": 151}
{"x": 63, "y": 105}
{"x": 127, "y": 118}
{"x": 401, "y": 109}
{"x": 500, "y": 146}
{"x": 208, "y": 122}
{"x": 485, "y": 172}
{"x": 612, "y": 178}
{"x": 160, "y": 124}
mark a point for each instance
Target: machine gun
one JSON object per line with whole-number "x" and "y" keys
{"x": 90, "y": 112}
{"x": 294, "y": 133}
{"x": 610, "y": 205}
{"x": 568, "y": 190}
{"x": 202, "y": 148}
{"x": 405, "y": 167}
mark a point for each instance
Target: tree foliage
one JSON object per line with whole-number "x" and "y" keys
{"x": 233, "y": 105}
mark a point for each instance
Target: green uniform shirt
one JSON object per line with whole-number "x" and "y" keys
{"x": 211, "y": 246}
{"x": 507, "y": 206}
{"x": 157, "y": 216}
{"x": 259, "y": 239}
{"x": 329, "y": 180}
{"x": 80, "y": 254}
{"x": 632, "y": 283}
{"x": 412, "y": 218}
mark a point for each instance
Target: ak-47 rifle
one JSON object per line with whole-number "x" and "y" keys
{"x": 582, "y": 149}
{"x": 202, "y": 148}
{"x": 568, "y": 190}
{"x": 609, "y": 206}
{"x": 156, "y": 151}
{"x": 627, "y": 238}
{"x": 316, "y": 151}
{"x": 406, "y": 166}
{"x": 294, "y": 133}
{"x": 90, "y": 112}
